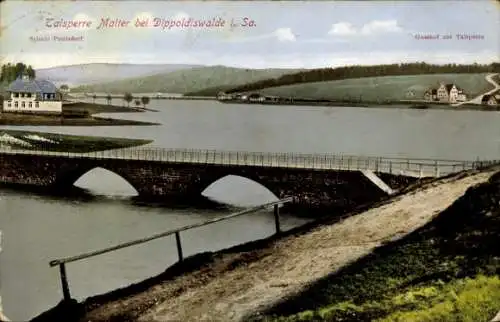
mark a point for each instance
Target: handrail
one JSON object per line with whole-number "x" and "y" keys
{"x": 234, "y": 152}
{"x": 399, "y": 166}
{"x": 168, "y": 233}
{"x": 62, "y": 261}
{"x": 418, "y": 167}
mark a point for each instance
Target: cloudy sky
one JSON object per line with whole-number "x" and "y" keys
{"x": 284, "y": 34}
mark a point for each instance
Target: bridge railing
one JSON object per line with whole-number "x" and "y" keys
{"x": 61, "y": 262}
{"x": 394, "y": 165}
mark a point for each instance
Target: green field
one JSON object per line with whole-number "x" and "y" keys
{"x": 184, "y": 81}
{"x": 66, "y": 143}
{"x": 380, "y": 88}
{"x": 446, "y": 271}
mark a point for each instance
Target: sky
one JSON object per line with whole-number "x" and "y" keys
{"x": 277, "y": 34}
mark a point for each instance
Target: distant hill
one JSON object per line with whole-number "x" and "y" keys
{"x": 380, "y": 88}
{"x": 360, "y": 71}
{"x": 75, "y": 75}
{"x": 186, "y": 80}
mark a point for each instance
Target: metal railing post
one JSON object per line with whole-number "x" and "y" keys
{"x": 179, "y": 246}
{"x": 64, "y": 282}
{"x": 277, "y": 223}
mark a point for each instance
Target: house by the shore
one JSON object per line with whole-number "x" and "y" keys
{"x": 223, "y": 96}
{"x": 26, "y": 95}
{"x": 256, "y": 97}
{"x": 450, "y": 93}
{"x": 489, "y": 100}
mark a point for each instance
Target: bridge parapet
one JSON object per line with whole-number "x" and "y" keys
{"x": 414, "y": 167}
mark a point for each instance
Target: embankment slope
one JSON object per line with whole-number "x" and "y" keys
{"x": 235, "y": 285}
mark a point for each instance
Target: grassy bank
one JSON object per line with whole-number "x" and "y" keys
{"x": 79, "y": 108}
{"x": 445, "y": 271}
{"x": 66, "y": 120}
{"x": 66, "y": 143}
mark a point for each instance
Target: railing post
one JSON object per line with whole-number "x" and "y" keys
{"x": 179, "y": 246}
{"x": 421, "y": 170}
{"x": 277, "y": 219}
{"x": 390, "y": 167}
{"x": 436, "y": 168}
{"x": 64, "y": 282}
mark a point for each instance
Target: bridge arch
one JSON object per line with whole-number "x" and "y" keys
{"x": 238, "y": 189}
{"x": 67, "y": 179}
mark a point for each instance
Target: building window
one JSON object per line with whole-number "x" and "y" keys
{"x": 37, "y": 104}
{"x": 28, "y": 95}
{"x": 16, "y": 104}
{"x": 16, "y": 94}
{"x": 22, "y": 94}
{"x": 30, "y": 104}
{"x": 23, "y": 104}
{"x": 9, "y": 104}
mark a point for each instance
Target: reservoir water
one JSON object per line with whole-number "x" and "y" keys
{"x": 37, "y": 229}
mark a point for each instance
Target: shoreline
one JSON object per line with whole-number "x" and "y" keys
{"x": 39, "y": 120}
{"x": 76, "y": 114}
{"x": 396, "y": 104}
{"x": 79, "y": 107}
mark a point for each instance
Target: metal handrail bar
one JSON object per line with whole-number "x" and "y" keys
{"x": 63, "y": 261}
{"x": 167, "y": 233}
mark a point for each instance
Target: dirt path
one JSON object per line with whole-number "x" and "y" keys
{"x": 223, "y": 292}
{"x": 478, "y": 99}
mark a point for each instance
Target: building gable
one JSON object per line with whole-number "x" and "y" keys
{"x": 448, "y": 87}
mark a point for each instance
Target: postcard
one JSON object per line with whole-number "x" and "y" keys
{"x": 249, "y": 160}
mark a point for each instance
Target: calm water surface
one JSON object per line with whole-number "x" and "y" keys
{"x": 37, "y": 229}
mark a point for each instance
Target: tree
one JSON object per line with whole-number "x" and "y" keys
{"x": 30, "y": 72}
{"x": 137, "y": 102}
{"x": 108, "y": 99}
{"x": 145, "y": 100}
{"x": 127, "y": 97}
{"x": 64, "y": 87}
{"x": 12, "y": 71}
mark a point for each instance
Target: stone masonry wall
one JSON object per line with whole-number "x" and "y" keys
{"x": 314, "y": 190}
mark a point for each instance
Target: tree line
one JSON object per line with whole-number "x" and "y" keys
{"x": 9, "y": 72}
{"x": 356, "y": 71}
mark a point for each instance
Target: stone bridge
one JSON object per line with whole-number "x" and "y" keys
{"x": 318, "y": 182}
